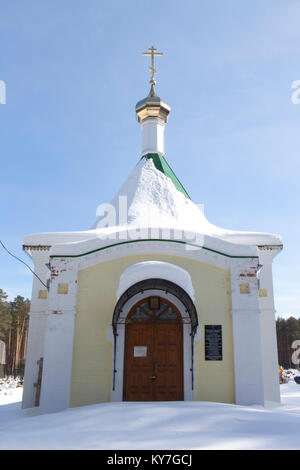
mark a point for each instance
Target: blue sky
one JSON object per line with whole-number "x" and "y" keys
{"x": 68, "y": 135}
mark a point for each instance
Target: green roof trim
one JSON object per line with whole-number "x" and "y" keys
{"x": 162, "y": 165}
{"x": 153, "y": 240}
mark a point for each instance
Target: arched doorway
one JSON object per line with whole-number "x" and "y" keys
{"x": 153, "y": 355}
{"x": 184, "y": 304}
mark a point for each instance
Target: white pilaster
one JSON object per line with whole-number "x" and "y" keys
{"x": 268, "y": 327}
{"x": 35, "y": 350}
{"x": 37, "y": 326}
{"x": 58, "y": 350}
{"x": 246, "y": 325}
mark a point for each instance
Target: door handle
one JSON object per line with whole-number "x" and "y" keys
{"x": 153, "y": 377}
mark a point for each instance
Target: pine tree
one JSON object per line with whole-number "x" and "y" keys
{"x": 5, "y": 315}
{"x": 14, "y": 321}
{"x": 17, "y": 335}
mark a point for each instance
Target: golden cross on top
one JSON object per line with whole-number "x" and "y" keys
{"x": 152, "y": 52}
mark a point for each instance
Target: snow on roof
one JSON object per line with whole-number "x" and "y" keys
{"x": 155, "y": 270}
{"x": 153, "y": 197}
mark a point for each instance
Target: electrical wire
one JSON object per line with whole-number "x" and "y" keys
{"x": 23, "y": 263}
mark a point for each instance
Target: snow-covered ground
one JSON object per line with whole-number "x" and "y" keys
{"x": 10, "y": 391}
{"x": 172, "y": 425}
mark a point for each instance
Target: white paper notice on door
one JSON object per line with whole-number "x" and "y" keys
{"x": 140, "y": 351}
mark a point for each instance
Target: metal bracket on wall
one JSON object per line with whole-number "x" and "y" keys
{"x": 38, "y": 384}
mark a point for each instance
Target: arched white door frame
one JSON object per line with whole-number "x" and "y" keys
{"x": 119, "y": 343}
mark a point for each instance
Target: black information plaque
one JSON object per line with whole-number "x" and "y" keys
{"x": 213, "y": 343}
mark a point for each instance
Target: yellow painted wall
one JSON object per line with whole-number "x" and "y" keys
{"x": 96, "y": 298}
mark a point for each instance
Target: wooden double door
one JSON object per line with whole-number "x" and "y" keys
{"x": 153, "y": 362}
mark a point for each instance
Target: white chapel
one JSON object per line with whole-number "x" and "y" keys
{"x": 154, "y": 303}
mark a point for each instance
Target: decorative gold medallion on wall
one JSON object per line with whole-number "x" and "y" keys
{"x": 244, "y": 289}
{"x": 42, "y": 294}
{"x": 62, "y": 288}
{"x": 263, "y": 293}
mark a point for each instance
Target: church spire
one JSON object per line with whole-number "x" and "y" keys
{"x": 152, "y": 113}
